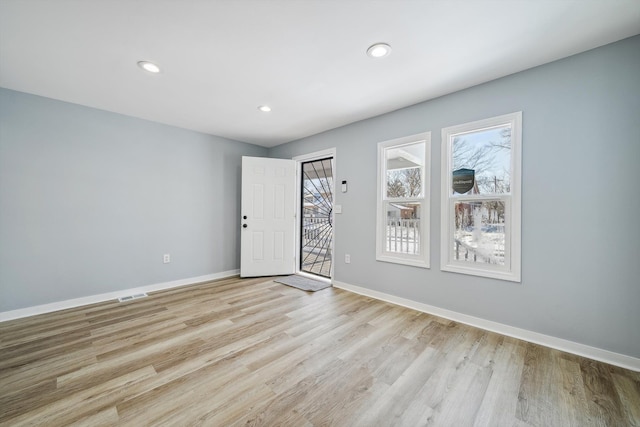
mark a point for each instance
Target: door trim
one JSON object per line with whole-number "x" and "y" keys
{"x": 303, "y": 158}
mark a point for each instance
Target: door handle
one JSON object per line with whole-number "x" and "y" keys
{"x": 244, "y": 225}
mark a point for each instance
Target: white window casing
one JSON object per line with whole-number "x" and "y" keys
{"x": 403, "y": 204}
{"x": 481, "y": 225}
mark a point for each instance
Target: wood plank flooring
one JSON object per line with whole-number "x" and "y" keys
{"x": 254, "y": 352}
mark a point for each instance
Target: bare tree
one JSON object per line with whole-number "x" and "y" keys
{"x": 482, "y": 159}
{"x": 414, "y": 181}
{"x": 404, "y": 182}
{"x": 505, "y": 140}
{"x": 395, "y": 186}
{"x": 476, "y": 157}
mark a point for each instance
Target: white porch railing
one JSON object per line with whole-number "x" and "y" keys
{"x": 403, "y": 235}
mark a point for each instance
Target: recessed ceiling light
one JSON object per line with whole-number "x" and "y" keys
{"x": 264, "y": 108}
{"x": 149, "y": 66}
{"x": 379, "y": 50}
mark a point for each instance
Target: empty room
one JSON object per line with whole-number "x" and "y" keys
{"x": 319, "y": 213}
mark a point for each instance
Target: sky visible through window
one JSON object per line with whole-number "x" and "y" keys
{"x": 488, "y": 152}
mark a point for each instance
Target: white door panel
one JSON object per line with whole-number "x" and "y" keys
{"x": 268, "y": 217}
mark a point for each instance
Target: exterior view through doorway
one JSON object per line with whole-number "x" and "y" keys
{"x": 316, "y": 219}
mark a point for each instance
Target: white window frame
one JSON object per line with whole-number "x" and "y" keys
{"x": 423, "y": 258}
{"x": 511, "y": 270}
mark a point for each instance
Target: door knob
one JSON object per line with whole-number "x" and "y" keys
{"x": 244, "y": 225}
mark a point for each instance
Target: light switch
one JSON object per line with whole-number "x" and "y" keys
{"x": 337, "y": 209}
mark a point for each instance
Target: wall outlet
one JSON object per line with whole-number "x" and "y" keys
{"x": 166, "y": 258}
{"x": 347, "y": 259}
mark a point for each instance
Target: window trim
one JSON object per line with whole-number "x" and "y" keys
{"x": 513, "y": 203}
{"x": 423, "y": 259}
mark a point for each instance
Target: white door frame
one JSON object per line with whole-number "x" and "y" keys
{"x": 317, "y": 155}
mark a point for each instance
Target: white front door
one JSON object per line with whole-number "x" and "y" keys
{"x": 268, "y": 217}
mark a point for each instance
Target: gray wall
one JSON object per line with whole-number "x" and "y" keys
{"x": 580, "y": 236}
{"x": 91, "y": 200}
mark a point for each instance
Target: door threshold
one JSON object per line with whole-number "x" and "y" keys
{"x": 314, "y": 277}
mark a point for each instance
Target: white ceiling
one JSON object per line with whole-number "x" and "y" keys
{"x": 306, "y": 58}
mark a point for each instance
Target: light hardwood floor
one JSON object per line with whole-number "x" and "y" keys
{"x": 254, "y": 352}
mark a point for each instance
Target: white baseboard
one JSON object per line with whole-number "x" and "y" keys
{"x": 92, "y": 299}
{"x": 617, "y": 359}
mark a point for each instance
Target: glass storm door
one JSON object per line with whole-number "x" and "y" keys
{"x": 316, "y": 242}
